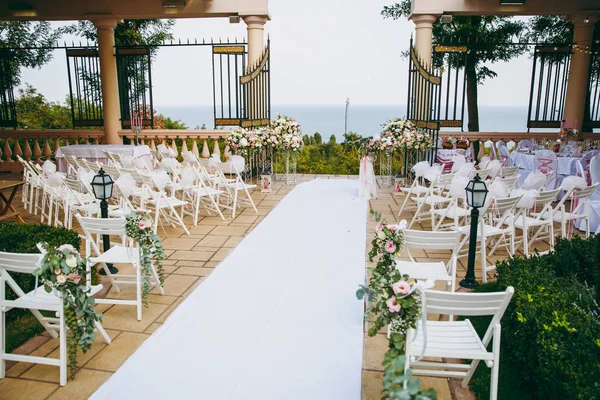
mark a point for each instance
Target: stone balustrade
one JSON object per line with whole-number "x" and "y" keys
{"x": 40, "y": 145}
{"x": 183, "y": 140}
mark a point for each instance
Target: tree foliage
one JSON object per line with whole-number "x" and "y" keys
{"x": 489, "y": 39}
{"x": 31, "y": 37}
{"x": 34, "y": 111}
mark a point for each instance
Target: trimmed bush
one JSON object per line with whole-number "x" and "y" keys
{"x": 23, "y": 238}
{"x": 551, "y": 329}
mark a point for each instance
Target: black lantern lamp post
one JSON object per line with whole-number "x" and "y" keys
{"x": 476, "y": 194}
{"x": 102, "y": 185}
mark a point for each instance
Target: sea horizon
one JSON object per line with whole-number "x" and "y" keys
{"x": 364, "y": 119}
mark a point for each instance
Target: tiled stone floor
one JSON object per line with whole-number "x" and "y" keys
{"x": 190, "y": 259}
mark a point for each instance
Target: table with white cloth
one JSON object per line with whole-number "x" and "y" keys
{"x": 95, "y": 153}
{"x": 524, "y": 160}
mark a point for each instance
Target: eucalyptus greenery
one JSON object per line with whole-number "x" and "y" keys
{"x": 394, "y": 380}
{"x": 139, "y": 227}
{"x": 62, "y": 270}
{"x": 390, "y": 301}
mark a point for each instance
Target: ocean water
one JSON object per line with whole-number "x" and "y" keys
{"x": 365, "y": 120}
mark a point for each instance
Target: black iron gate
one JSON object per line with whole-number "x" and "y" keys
{"x": 83, "y": 68}
{"x": 228, "y": 62}
{"x": 8, "y": 112}
{"x": 134, "y": 72}
{"x": 592, "y": 110}
{"x": 548, "y": 86}
{"x": 256, "y": 89}
{"x": 423, "y": 105}
{"x": 452, "y": 101}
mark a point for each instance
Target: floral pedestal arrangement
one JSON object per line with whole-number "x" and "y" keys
{"x": 286, "y": 132}
{"x": 385, "y": 168}
{"x": 291, "y": 161}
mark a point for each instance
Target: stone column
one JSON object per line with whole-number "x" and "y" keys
{"x": 108, "y": 78}
{"x": 256, "y": 37}
{"x": 579, "y": 71}
{"x": 424, "y": 35}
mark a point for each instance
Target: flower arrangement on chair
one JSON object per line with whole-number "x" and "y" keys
{"x": 62, "y": 271}
{"x": 140, "y": 227}
{"x": 448, "y": 143}
{"x": 391, "y": 299}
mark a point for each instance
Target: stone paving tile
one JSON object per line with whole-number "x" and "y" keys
{"x": 191, "y": 255}
{"x": 83, "y": 386}
{"x": 21, "y": 389}
{"x": 182, "y": 243}
{"x": 113, "y": 356}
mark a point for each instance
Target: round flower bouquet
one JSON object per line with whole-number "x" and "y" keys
{"x": 462, "y": 144}
{"x": 287, "y": 130}
{"x": 408, "y": 136}
{"x": 268, "y": 138}
{"x": 139, "y": 227}
{"x": 448, "y": 143}
{"x": 242, "y": 140}
{"x": 61, "y": 271}
{"x": 568, "y": 134}
{"x": 392, "y": 299}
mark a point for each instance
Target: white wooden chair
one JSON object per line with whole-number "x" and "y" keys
{"x": 510, "y": 183}
{"x": 501, "y": 229}
{"x": 37, "y": 300}
{"x": 411, "y": 195}
{"x": 124, "y": 252}
{"x": 580, "y": 209}
{"x": 437, "y": 271}
{"x": 458, "y": 339}
{"x": 541, "y": 222}
{"x": 163, "y": 205}
{"x": 434, "y": 199}
{"x": 232, "y": 186}
{"x": 509, "y": 172}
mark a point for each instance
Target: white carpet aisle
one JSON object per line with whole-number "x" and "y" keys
{"x": 277, "y": 319}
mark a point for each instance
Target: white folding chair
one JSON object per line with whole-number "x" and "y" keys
{"x": 458, "y": 339}
{"x": 509, "y": 172}
{"x": 164, "y": 205}
{"x": 437, "y": 271}
{"x": 125, "y": 252}
{"x": 580, "y": 209}
{"x": 501, "y": 228}
{"x": 525, "y": 144}
{"x": 232, "y": 188}
{"x": 37, "y": 300}
{"x": 541, "y": 222}
{"x": 546, "y": 162}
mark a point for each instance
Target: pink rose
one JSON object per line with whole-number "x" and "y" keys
{"x": 61, "y": 279}
{"x": 390, "y": 247}
{"x": 57, "y": 271}
{"x": 67, "y": 247}
{"x": 393, "y": 306}
{"x": 76, "y": 279}
{"x": 402, "y": 287}
{"x": 379, "y": 227}
{"x": 391, "y": 228}
{"x": 143, "y": 224}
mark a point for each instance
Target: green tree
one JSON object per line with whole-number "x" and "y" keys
{"x": 169, "y": 123}
{"x": 332, "y": 139}
{"x": 33, "y": 40}
{"x": 318, "y": 138}
{"x": 351, "y": 138}
{"x": 130, "y": 32}
{"x": 487, "y": 37}
{"x": 35, "y": 112}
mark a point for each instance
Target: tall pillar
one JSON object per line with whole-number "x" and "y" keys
{"x": 424, "y": 35}
{"x": 256, "y": 37}
{"x": 108, "y": 79}
{"x": 579, "y": 71}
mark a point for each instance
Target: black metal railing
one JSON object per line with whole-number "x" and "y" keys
{"x": 548, "y": 86}
{"x": 85, "y": 93}
{"x": 8, "y": 112}
{"x": 453, "y": 61}
{"x": 423, "y": 104}
{"x": 592, "y": 110}
{"x": 256, "y": 92}
{"x": 229, "y": 62}
{"x": 134, "y": 71}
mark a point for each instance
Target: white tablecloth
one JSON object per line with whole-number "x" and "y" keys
{"x": 566, "y": 165}
{"x": 94, "y": 152}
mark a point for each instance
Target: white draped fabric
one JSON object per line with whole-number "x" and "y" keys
{"x": 94, "y": 152}
{"x": 277, "y": 319}
{"x": 367, "y": 184}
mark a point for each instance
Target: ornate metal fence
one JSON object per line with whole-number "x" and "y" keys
{"x": 256, "y": 92}
{"x": 453, "y": 60}
{"x": 548, "y": 86}
{"x": 229, "y": 62}
{"x": 83, "y": 68}
{"x": 8, "y": 112}
{"x": 423, "y": 105}
{"x": 592, "y": 111}
{"x": 134, "y": 71}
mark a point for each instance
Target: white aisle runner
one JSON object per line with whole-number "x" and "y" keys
{"x": 277, "y": 319}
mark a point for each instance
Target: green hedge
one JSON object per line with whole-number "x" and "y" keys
{"x": 551, "y": 330}
{"x": 23, "y": 238}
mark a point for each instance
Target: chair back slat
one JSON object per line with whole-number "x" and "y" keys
{"x": 102, "y": 226}
{"x": 438, "y": 240}
{"x": 471, "y": 304}
{"x": 18, "y": 262}
{"x": 546, "y": 197}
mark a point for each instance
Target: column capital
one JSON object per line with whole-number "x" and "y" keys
{"x": 255, "y": 21}
{"x": 103, "y": 21}
{"x": 424, "y": 20}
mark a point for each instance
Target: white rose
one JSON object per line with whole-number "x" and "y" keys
{"x": 71, "y": 261}
{"x": 381, "y": 235}
{"x": 243, "y": 142}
